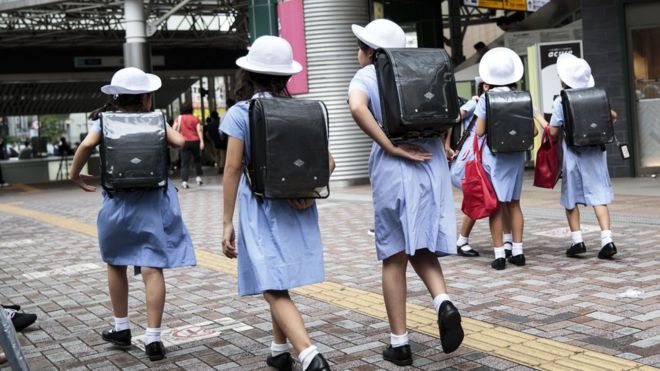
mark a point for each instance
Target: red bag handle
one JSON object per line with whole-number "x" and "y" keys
{"x": 547, "y": 137}
{"x": 475, "y": 147}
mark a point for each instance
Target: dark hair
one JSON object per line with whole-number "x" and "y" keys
{"x": 480, "y": 88}
{"x": 250, "y": 83}
{"x": 564, "y": 85}
{"x": 122, "y": 102}
{"x": 214, "y": 114}
{"x": 365, "y": 49}
{"x": 510, "y": 86}
{"x": 479, "y": 45}
{"x": 230, "y": 102}
{"x": 186, "y": 108}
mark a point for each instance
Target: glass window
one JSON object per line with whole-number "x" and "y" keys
{"x": 646, "y": 62}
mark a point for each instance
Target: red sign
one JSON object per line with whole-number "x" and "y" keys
{"x": 292, "y": 28}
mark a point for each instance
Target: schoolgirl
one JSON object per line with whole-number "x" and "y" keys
{"x": 413, "y": 205}
{"x": 139, "y": 228}
{"x": 457, "y": 170}
{"x": 501, "y": 68}
{"x": 585, "y": 178}
{"x": 279, "y": 243}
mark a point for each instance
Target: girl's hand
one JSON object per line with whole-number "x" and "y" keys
{"x": 301, "y": 203}
{"x": 614, "y": 115}
{"x": 229, "y": 241}
{"x": 410, "y": 152}
{"x": 540, "y": 118}
{"x": 450, "y": 153}
{"x": 80, "y": 181}
{"x": 201, "y": 146}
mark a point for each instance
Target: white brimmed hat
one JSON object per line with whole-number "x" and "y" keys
{"x": 478, "y": 80}
{"x": 574, "y": 72}
{"x": 270, "y": 55}
{"x": 381, "y": 33}
{"x": 501, "y": 66}
{"x": 132, "y": 80}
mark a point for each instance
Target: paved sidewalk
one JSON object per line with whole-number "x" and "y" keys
{"x": 554, "y": 313}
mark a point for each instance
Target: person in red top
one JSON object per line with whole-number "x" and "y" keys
{"x": 191, "y": 128}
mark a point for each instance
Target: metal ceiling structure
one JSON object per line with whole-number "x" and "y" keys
{"x": 53, "y": 24}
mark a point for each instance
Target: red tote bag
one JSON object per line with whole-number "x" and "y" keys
{"x": 547, "y": 169}
{"x": 479, "y": 198}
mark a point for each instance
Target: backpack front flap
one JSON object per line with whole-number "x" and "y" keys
{"x": 425, "y": 89}
{"x": 509, "y": 124}
{"x": 587, "y": 117}
{"x": 294, "y": 150}
{"x": 133, "y": 150}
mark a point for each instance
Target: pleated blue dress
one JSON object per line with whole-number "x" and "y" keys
{"x": 413, "y": 203}
{"x": 278, "y": 247}
{"x": 585, "y": 178}
{"x": 143, "y": 228}
{"x": 505, "y": 170}
{"x": 466, "y": 153}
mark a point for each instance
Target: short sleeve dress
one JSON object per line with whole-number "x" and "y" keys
{"x": 457, "y": 168}
{"x": 413, "y": 202}
{"x": 143, "y": 228}
{"x": 585, "y": 178}
{"x": 279, "y": 247}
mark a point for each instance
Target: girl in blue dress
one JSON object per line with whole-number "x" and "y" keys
{"x": 278, "y": 244}
{"x": 139, "y": 228}
{"x": 501, "y": 68}
{"x": 585, "y": 178}
{"x": 415, "y": 219}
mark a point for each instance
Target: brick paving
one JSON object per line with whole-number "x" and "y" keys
{"x": 607, "y": 307}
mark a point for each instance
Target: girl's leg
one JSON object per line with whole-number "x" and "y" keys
{"x": 467, "y": 225}
{"x": 428, "y": 268}
{"x": 463, "y": 242}
{"x": 118, "y": 287}
{"x": 577, "y": 243}
{"x": 507, "y": 236}
{"x": 608, "y": 249}
{"x": 394, "y": 291}
{"x": 154, "y": 283}
{"x": 185, "y": 160}
{"x": 603, "y": 216}
{"x": 496, "y": 230}
{"x": 287, "y": 320}
{"x": 278, "y": 335}
{"x": 516, "y": 220}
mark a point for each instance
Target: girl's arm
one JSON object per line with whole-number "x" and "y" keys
{"x": 448, "y": 150}
{"x": 332, "y": 163}
{"x": 358, "y": 102}
{"x": 200, "y": 134}
{"x": 174, "y": 138}
{"x": 232, "y": 175}
{"x": 554, "y": 130}
{"x": 481, "y": 126}
{"x": 177, "y": 124}
{"x": 85, "y": 148}
{"x": 614, "y": 115}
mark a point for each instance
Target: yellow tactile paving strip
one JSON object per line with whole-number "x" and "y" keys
{"x": 509, "y": 344}
{"x": 25, "y": 188}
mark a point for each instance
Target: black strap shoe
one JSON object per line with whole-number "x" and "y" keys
{"x": 518, "y": 260}
{"x": 469, "y": 253}
{"x": 12, "y": 307}
{"x": 318, "y": 364}
{"x": 400, "y": 356}
{"x": 449, "y": 323}
{"x": 282, "y": 362}
{"x": 498, "y": 264}
{"x": 508, "y": 252}
{"x": 119, "y": 338}
{"x": 578, "y": 248}
{"x": 20, "y": 320}
{"x": 607, "y": 251}
{"x": 155, "y": 351}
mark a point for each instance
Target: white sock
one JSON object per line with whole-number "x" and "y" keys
{"x": 277, "y": 349}
{"x": 507, "y": 238}
{"x": 605, "y": 237}
{"x": 437, "y": 301}
{"x": 307, "y": 355}
{"x": 499, "y": 252}
{"x": 576, "y": 237}
{"x": 121, "y": 323}
{"x": 462, "y": 240}
{"x": 399, "y": 340}
{"x": 151, "y": 335}
{"x": 517, "y": 248}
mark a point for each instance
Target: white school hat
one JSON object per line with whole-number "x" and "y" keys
{"x": 574, "y": 72}
{"x": 131, "y": 80}
{"x": 501, "y": 66}
{"x": 478, "y": 80}
{"x": 381, "y": 33}
{"x": 270, "y": 55}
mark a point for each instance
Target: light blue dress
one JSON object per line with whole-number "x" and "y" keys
{"x": 466, "y": 153}
{"x": 143, "y": 228}
{"x": 279, "y": 247}
{"x": 504, "y": 169}
{"x": 413, "y": 203}
{"x": 585, "y": 179}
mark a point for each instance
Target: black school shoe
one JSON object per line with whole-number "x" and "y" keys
{"x": 498, "y": 264}
{"x": 21, "y": 320}
{"x": 470, "y": 253}
{"x": 449, "y": 323}
{"x": 318, "y": 364}
{"x": 508, "y": 252}
{"x": 119, "y": 338}
{"x": 400, "y": 356}
{"x": 578, "y": 248}
{"x": 12, "y": 307}
{"x": 155, "y": 351}
{"x": 282, "y": 362}
{"x": 607, "y": 251}
{"x": 518, "y": 260}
